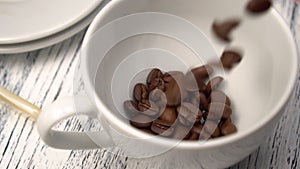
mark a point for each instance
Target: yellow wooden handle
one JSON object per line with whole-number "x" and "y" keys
{"x": 19, "y": 103}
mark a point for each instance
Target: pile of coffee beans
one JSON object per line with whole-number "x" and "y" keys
{"x": 183, "y": 106}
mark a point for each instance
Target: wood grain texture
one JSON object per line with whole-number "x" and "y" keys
{"x": 44, "y": 75}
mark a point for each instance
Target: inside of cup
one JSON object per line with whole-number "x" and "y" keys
{"x": 255, "y": 86}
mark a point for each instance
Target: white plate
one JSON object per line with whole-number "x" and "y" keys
{"x": 27, "y": 20}
{"x": 50, "y": 40}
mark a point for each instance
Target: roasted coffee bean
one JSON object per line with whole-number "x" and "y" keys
{"x": 194, "y": 136}
{"x": 199, "y": 99}
{"x": 148, "y": 108}
{"x": 188, "y": 113}
{"x": 219, "y": 97}
{"x": 212, "y": 128}
{"x": 141, "y": 121}
{"x": 174, "y": 90}
{"x": 168, "y": 115}
{"x": 162, "y": 128}
{"x": 140, "y": 92}
{"x": 218, "y": 111}
{"x": 230, "y": 58}
{"x": 192, "y": 84}
{"x": 181, "y": 132}
{"x": 157, "y": 83}
{"x": 214, "y": 84}
{"x": 130, "y": 107}
{"x": 202, "y": 72}
{"x": 258, "y": 6}
{"x": 228, "y": 128}
{"x": 223, "y": 29}
{"x": 154, "y": 74}
{"x": 197, "y": 128}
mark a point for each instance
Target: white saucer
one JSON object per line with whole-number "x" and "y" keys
{"x": 27, "y": 20}
{"x": 50, "y": 40}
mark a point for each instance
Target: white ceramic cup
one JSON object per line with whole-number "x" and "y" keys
{"x": 114, "y": 51}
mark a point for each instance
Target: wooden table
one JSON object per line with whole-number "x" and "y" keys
{"x": 44, "y": 75}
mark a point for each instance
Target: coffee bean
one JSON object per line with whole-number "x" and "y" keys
{"x": 202, "y": 72}
{"x": 157, "y": 83}
{"x": 130, "y": 107}
{"x": 192, "y": 84}
{"x": 197, "y": 128}
{"x": 258, "y": 6}
{"x": 219, "y": 97}
{"x": 199, "y": 99}
{"x": 218, "y": 110}
{"x": 228, "y": 128}
{"x": 162, "y": 128}
{"x": 212, "y": 128}
{"x": 194, "y": 136}
{"x": 169, "y": 115}
{"x": 188, "y": 113}
{"x": 140, "y": 92}
{"x": 141, "y": 121}
{"x": 174, "y": 90}
{"x": 181, "y": 132}
{"x": 223, "y": 29}
{"x": 148, "y": 108}
{"x": 230, "y": 58}
{"x": 214, "y": 84}
{"x": 154, "y": 74}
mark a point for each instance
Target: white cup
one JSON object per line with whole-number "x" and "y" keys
{"x": 129, "y": 36}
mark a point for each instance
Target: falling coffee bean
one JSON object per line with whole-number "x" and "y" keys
{"x": 169, "y": 115}
{"x": 258, "y": 6}
{"x": 223, "y": 29}
{"x": 214, "y": 84}
{"x": 162, "y": 128}
{"x": 154, "y": 74}
{"x": 229, "y": 58}
{"x": 141, "y": 121}
{"x": 130, "y": 107}
{"x": 140, "y": 92}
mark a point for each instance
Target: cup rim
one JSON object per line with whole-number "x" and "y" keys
{"x": 90, "y": 89}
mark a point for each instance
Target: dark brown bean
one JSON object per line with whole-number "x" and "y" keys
{"x": 141, "y": 121}
{"x": 219, "y": 97}
{"x": 181, "y": 132}
{"x": 148, "y": 108}
{"x": 194, "y": 136}
{"x": 199, "y": 99}
{"x": 223, "y": 29}
{"x": 228, "y": 128}
{"x": 230, "y": 58}
{"x": 169, "y": 115}
{"x": 213, "y": 84}
{"x": 258, "y": 6}
{"x": 197, "y": 128}
{"x": 140, "y": 92}
{"x": 131, "y": 107}
{"x": 212, "y": 128}
{"x": 154, "y": 74}
{"x": 157, "y": 83}
{"x": 162, "y": 128}
{"x": 188, "y": 113}
{"x": 202, "y": 72}
{"x": 218, "y": 111}
{"x": 174, "y": 90}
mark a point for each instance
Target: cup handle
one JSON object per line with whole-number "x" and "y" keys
{"x": 62, "y": 109}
